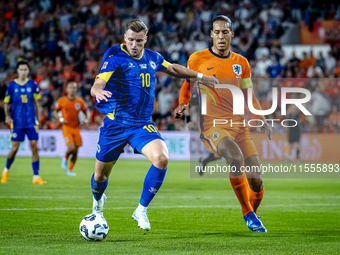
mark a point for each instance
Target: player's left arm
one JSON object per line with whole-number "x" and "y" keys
{"x": 36, "y": 96}
{"x": 86, "y": 111}
{"x": 183, "y": 72}
{"x": 247, "y": 83}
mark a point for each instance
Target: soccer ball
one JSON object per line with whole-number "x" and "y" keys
{"x": 94, "y": 227}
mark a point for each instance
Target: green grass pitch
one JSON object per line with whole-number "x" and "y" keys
{"x": 188, "y": 216}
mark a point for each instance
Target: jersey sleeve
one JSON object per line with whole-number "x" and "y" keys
{"x": 162, "y": 64}
{"x": 246, "y": 79}
{"x": 8, "y": 94}
{"x": 108, "y": 68}
{"x": 35, "y": 89}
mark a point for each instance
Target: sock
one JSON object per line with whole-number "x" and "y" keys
{"x": 70, "y": 166}
{"x": 140, "y": 207}
{"x": 65, "y": 157}
{"x": 210, "y": 158}
{"x": 98, "y": 188}
{"x": 9, "y": 163}
{"x": 255, "y": 198}
{"x": 241, "y": 186}
{"x": 35, "y": 166}
{"x": 35, "y": 176}
{"x": 152, "y": 182}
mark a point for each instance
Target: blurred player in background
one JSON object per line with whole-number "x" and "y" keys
{"x": 70, "y": 106}
{"x": 293, "y": 133}
{"x": 125, "y": 92}
{"x": 233, "y": 143}
{"x": 23, "y": 94}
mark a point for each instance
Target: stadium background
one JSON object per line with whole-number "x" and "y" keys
{"x": 287, "y": 43}
{"x": 65, "y": 40}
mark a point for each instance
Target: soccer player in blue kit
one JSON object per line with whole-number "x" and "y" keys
{"x": 125, "y": 89}
{"x": 23, "y": 95}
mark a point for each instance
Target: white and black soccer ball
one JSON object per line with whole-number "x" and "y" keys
{"x": 94, "y": 227}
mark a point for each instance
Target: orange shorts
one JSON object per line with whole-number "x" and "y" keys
{"x": 72, "y": 135}
{"x": 212, "y": 136}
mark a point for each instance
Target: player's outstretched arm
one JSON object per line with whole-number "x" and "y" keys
{"x": 183, "y": 72}
{"x": 98, "y": 91}
{"x": 8, "y": 119}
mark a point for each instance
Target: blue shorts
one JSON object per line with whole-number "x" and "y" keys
{"x": 18, "y": 134}
{"x": 113, "y": 139}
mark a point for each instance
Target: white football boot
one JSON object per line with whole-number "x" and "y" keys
{"x": 98, "y": 206}
{"x": 141, "y": 215}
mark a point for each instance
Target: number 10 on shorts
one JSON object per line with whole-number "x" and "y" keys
{"x": 151, "y": 128}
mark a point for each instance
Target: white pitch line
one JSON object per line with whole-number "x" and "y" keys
{"x": 162, "y": 207}
{"x": 179, "y": 197}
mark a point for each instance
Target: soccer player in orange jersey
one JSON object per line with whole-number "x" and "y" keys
{"x": 70, "y": 106}
{"x": 234, "y": 143}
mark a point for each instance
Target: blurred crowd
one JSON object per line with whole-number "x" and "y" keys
{"x": 64, "y": 40}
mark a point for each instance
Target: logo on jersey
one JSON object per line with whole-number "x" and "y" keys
{"x": 66, "y": 139}
{"x": 22, "y": 90}
{"x": 210, "y": 68}
{"x": 131, "y": 64}
{"x": 29, "y": 89}
{"x": 77, "y": 106}
{"x": 16, "y": 90}
{"x": 143, "y": 66}
{"x": 216, "y": 136}
{"x": 153, "y": 64}
{"x": 104, "y": 65}
{"x": 98, "y": 148}
{"x": 237, "y": 69}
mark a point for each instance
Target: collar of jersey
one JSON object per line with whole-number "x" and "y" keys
{"x": 210, "y": 49}
{"x": 122, "y": 48}
{"x": 16, "y": 80}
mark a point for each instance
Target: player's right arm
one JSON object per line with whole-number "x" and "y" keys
{"x": 107, "y": 69}
{"x": 7, "y": 108}
{"x": 57, "y": 108}
{"x": 98, "y": 91}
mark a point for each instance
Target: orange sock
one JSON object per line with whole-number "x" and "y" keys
{"x": 70, "y": 166}
{"x": 255, "y": 198}
{"x": 240, "y": 186}
{"x": 65, "y": 157}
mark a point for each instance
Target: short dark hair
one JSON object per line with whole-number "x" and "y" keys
{"x": 136, "y": 25}
{"x": 223, "y": 18}
{"x": 23, "y": 62}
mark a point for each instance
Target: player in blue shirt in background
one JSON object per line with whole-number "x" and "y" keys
{"x": 125, "y": 91}
{"x": 22, "y": 94}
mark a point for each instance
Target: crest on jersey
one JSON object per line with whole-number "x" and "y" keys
{"x": 153, "y": 64}
{"x": 143, "y": 66}
{"x": 29, "y": 89}
{"x": 77, "y": 106}
{"x": 104, "y": 65}
{"x": 16, "y": 90}
{"x": 237, "y": 69}
{"x": 131, "y": 64}
{"x": 22, "y": 90}
{"x": 216, "y": 136}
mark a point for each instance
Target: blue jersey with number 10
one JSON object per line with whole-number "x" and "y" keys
{"x": 132, "y": 84}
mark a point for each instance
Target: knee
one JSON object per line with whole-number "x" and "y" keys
{"x": 100, "y": 177}
{"x": 161, "y": 161}
{"x": 256, "y": 184}
{"x": 34, "y": 148}
{"x": 237, "y": 161}
{"x": 15, "y": 148}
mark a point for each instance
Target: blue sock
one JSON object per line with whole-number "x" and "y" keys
{"x": 98, "y": 188}
{"x": 9, "y": 163}
{"x": 35, "y": 166}
{"x": 152, "y": 182}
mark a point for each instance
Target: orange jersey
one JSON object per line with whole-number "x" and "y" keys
{"x": 232, "y": 69}
{"x": 70, "y": 110}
